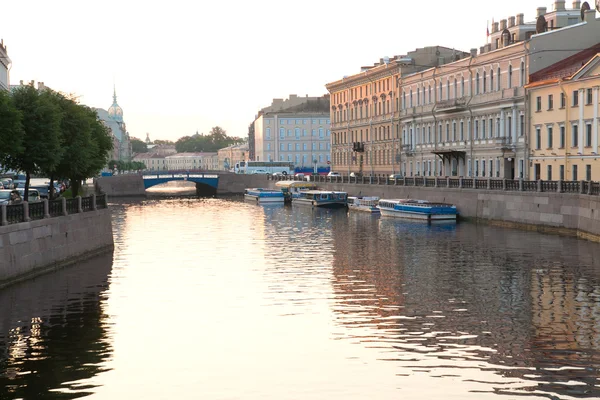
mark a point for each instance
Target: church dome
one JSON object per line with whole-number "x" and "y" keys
{"x": 115, "y": 112}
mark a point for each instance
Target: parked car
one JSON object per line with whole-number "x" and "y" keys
{"x": 334, "y": 174}
{"x": 396, "y": 176}
{"x": 299, "y": 175}
{"x": 5, "y": 196}
{"x": 7, "y": 183}
{"x": 283, "y": 173}
{"x": 44, "y": 191}
{"x": 260, "y": 172}
{"x": 34, "y": 195}
{"x": 355, "y": 174}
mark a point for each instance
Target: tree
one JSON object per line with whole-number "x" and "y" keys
{"x": 11, "y": 130}
{"x": 41, "y": 119}
{"x": 138, "y": 146}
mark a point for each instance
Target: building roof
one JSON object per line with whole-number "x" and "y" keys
{"x": 567, "y": 67}
{"x": 197, "y": 154}
{"x": 141, "y": 156}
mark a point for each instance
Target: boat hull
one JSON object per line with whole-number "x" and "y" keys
{"x": 418, "y": 216}
{"x": 258, "y": 199}
{"x": 316, "y": 203}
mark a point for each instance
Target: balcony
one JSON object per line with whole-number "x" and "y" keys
{"x": 452, "y": 105}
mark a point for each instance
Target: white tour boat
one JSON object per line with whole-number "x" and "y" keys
{"x": 417, "y": 209}
{"x": 321, "y": 198}
{"x": 364, "y": 204}
{"x": 261, "y": 195}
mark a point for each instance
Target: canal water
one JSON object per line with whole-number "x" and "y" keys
{"x": 221, "y": 299}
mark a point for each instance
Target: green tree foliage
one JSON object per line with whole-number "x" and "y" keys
{"x": 85, "y": 140}
{"x": 42, "y": 148}
{"x": 159, "y": 142}
{"x": 217, "y": 139}
{"x": 11, "y": 130}
{"x": 138, "y": 146}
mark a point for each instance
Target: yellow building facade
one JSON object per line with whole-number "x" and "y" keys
{"x": 564, "y": 121}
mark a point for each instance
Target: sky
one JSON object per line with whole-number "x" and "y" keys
{"x": 184, "y": 66}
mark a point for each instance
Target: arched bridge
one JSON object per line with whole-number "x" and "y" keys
{"x": 206, "y": 179}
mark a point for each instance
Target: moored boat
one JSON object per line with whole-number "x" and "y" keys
{"x": 293, "y": 189}
{"x": 363, "y": 204}
{"x": 321, "y": 198}
{"x": 417, "y": 209}
{"x": 261, "y": 195}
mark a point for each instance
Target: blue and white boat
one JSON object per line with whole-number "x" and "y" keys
{"x": 417, "y": 209}
{"x": 364, "y": 204}
{"x": 321, "y": 198}
{"x": 260, "y": 195}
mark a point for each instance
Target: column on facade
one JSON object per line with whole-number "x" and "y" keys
{"x": 595, "y": 121}
{"x": 502, "y": 132}
{"x": 514, "y": 126}
{"x": 581, "y": 127}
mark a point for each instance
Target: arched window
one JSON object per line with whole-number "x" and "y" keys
{"x": 499, "y": 80}
{"x": 484, "y": 82}
{"x": 491, "y": 80}
{"x": 455, "y": 89}
{"x": 477, "y": 83}
{"x": 510, "y": 76}
{"x": 462, "y": 86}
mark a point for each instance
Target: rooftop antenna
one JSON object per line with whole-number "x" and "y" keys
{"x": 541, "y": 24}
{"x": 586, "y": 7}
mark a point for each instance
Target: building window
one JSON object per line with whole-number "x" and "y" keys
{"x": 549, "y": 173}
{"x": 321, "y": 132}
{"x": 575, "y": 98}
{"x": 498, "y": 80}
{"x": 497, "y": 168}
{"x": 521, "y": 167}
{"x": 550, "y": 135}
{"x": 538, "y": 138}
{"x": 491, "y": 80}
{"x": 281, "y": 133}
{"x": 268, "y": 148}
{"x": 477, "y": 83}
{"x": 588, "y": 172}
{"x": 561, "y": 173}
{"x": 484, "y": 82}
{"x": 588, "y": 135}
{"x": 476, "y": 167}
{"x": 510, "y": 76}
{"x": 574, "y": 172}
{"x": 483, "y": 168}
{"x": 550, "y": 102}
{"x": 454, "y": 131}
{"x": 575, "y": 130}
{"x": 268, "y": 133}
{"x": 462, "y": 86}
{"x": 282, "y": 146}
{"x": 483, "y": 128}
{"x": 522, "y": 74}
{"x": 476, "y": 134}
{"x": 538, "y": 104}
{"x": 462, "y": 131}
{"x": 588, "y": 97}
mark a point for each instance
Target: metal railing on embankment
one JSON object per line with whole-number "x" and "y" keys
{"x": 29, "y": 211}
{"x": 516, "y": 185}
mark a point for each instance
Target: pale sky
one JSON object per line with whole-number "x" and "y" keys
{"x": 181, "y": 66}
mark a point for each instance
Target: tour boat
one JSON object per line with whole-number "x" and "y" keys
{"x": 417, "y": 209}
{"x": 321, "y": 198}
{"x": 261, "y": 195}
{"x": 364, "y": 204}
{"x": 293, "y": 189}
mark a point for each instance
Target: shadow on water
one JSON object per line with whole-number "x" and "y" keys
{"x": 53, "y": 334}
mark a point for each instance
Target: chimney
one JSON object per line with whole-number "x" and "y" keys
{"x": 520, "y": 19}
{"x": 502, "y": 24}
{"x": 511, "y": 22}
{"x": 495, "y": 27}
{"x": 589, "y": 16}
{"x": 576, "y": 5}
{"x": 559, "y": 5}
{"x": 541, "y": 11}
{"x": 482, "y": 50}
{"x": 473, "y": 52}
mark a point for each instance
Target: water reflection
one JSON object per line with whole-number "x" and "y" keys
{"x": 53, "y": 336}
{"x": 227, "y": 299}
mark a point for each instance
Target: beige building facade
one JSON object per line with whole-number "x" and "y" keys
{"x": 231, "y": 155}
{"x": 193, "y": 162}
{"x": 153, "y": 162}
{"x": 459, "y": 115}
{"x": 564, "y": 103}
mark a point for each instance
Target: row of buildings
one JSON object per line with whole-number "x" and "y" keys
{"x": 165, "y": 158}
{"x": 524, "y": 105}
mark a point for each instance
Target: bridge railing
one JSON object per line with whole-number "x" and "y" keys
{"x": 28, "y": 211}
{"x": 490, "y": 184}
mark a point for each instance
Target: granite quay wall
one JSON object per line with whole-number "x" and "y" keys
{"x": 39, "y": 237}
{"x": 121, "y": 185}
{"x": 230, "y": 184}
{"x": 569, "y": 208}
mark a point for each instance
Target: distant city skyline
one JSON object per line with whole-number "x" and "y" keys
{"x": 191, "y": 67}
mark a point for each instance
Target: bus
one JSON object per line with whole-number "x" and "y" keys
{"x": 271, "y": 167}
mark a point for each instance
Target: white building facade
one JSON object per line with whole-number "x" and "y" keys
{"x": 299, "y": 134}
{"x": 4, "y": 67}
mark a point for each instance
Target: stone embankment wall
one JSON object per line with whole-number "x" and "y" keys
{"x": 236, "y": 183}
{"x": 564, "y": 213}
{"x": 121, "y": 185}
{"x": 31, "y": 248}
